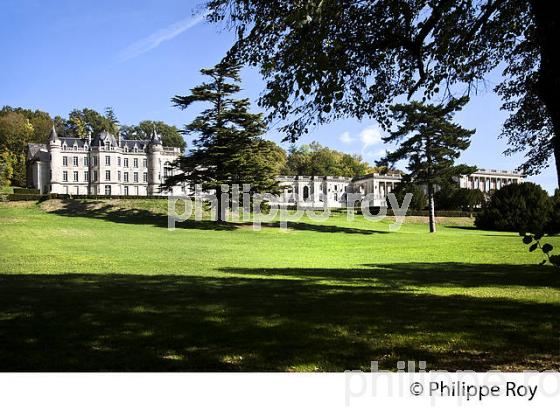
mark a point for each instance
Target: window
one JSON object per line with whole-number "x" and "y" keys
{"x": 145, "y": 163}
{"x": 135, "y": 162}
{"x": 75, "y": 176}
{"x": 107, "y": 175}
{"x": 107, "y": 189}
{"x": 86, "y": 176}
{"x": 145, "y": 177}
{"x": 94, "y": 161}
{"x": 77, "y": 190}
{"x": 335, "y": 196}
{"x": 64, "y": 176}
{"x": 107, "y": 160}
{"x": 95, "y": 175}
{"x": 119, "y": 161}
{"x": 126, "y": 177}
{"x": 136, "y": 190}
{"x": 136, "y": 177}
{"x": 126, "y": 162}
{"x": 126, "y": 190}
{"x": 119, "y": 176}
{"x": 64, "y": 161}
{"x": 86, "y": 161}
{"x": 75, "y": 161}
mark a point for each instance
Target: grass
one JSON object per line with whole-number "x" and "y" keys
{"x": 103, "y": 285}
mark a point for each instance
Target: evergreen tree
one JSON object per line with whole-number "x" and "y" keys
{"x": 227, "y": 149}
{"x": 431, "y": 142}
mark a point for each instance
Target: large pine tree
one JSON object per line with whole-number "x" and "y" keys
{"x": 431, "y": 143}
{"x": 227, "y": 149}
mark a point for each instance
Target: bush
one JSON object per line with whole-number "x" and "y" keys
{"x": 24, "y": 197}
{"x": 468, "y": 199}
{"x": 26, "y": 191}
{"x": 419, "y": 198}
{"x": 523, "y": 207}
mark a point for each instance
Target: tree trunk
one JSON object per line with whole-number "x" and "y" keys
{"x": 432, "y": 208}
{"x": 548, "y": 32}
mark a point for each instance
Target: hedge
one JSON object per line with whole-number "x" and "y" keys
{"x": 27, "y": 191}
{"x": 39, "y": 197}
{"x": 24, "y": 197}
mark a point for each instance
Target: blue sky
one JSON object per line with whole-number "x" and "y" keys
{"x": 58, "y": 55}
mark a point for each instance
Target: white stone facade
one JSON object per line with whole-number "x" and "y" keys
{"x": 333, "y": 191}
{"x": 490, "y": 179}
{"x": 104, "y": 165}
{"x": 314, "y": 191}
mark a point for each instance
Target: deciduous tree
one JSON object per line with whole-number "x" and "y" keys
{"x": 327, "y": 59}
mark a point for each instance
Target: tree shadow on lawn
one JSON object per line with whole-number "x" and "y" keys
{"x": 449, "y": 274}
{"x": 93, "y": 322}
{"x": 108, "y": 212}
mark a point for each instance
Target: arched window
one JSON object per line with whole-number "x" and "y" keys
{"x": 305, "y": 193}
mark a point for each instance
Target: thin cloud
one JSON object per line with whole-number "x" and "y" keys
{"x": 370, "y": 136}
{"x": 346, "y": 138}
{"x": 160, "y": 36}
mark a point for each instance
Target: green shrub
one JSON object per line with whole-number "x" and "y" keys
{"x": 523, "y": 207}
{"x": 419, "y": 198}
{"x": 24, "y": 197}
{"x": 26, "y": 191}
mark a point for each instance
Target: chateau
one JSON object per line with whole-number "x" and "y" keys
{"x": 109, "y": 165}
{"x": 104, "y": 165}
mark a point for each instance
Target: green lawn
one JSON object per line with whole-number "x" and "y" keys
{"x": 91, "y": 286}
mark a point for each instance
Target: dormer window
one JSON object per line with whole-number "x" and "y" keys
{"x": 126, "y": 148}
{"x": 64, "y": 146}
{"x": 75, "y": 147}
{"x": 135, "y": 148}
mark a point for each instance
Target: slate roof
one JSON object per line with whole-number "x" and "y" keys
{"x": 70, "y": 141}
{"x": 37, "y": 152}
{"x": 102, "y": 137}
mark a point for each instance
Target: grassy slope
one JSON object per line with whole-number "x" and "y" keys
{"x": 323, "y": 296}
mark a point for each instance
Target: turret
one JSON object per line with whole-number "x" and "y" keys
{"x": 54, "y": 146}
{"x": 154, "y": 163}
